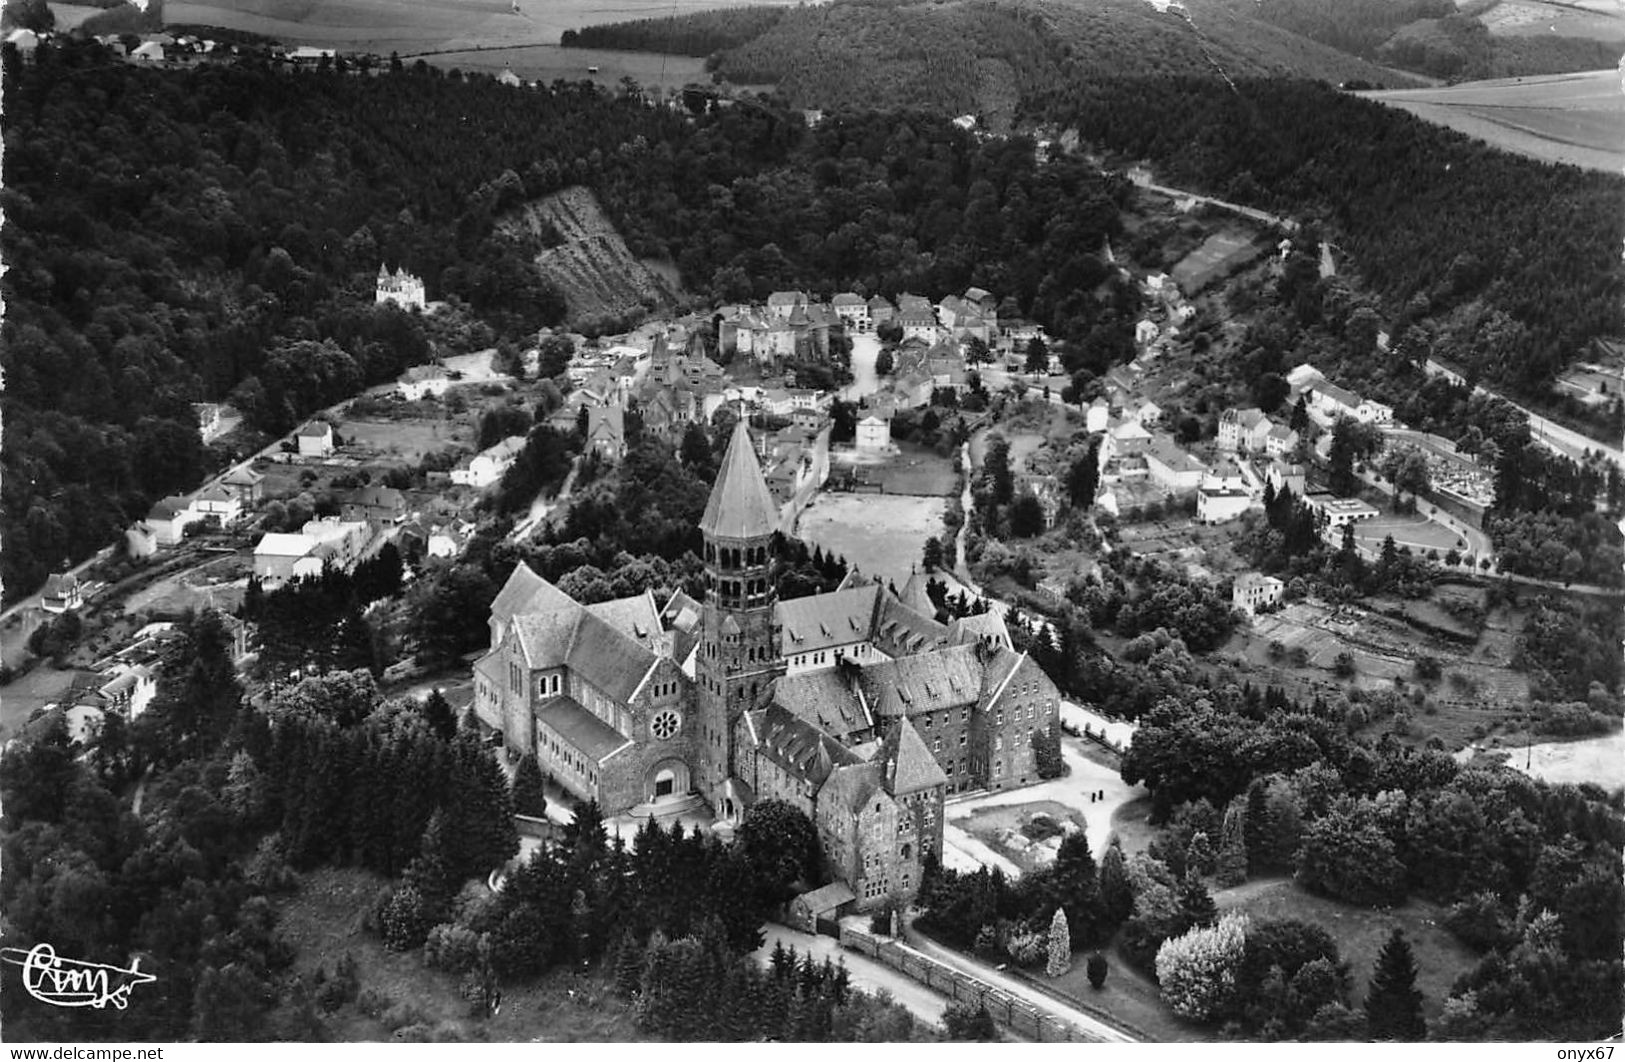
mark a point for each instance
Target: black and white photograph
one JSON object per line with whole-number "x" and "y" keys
{"x": 872, "y": 521}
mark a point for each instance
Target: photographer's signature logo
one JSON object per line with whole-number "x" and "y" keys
{"x": 72, "y": 983}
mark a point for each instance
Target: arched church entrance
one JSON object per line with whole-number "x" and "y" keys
{"x": 665, "y": 780}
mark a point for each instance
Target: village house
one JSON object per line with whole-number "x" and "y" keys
{"x": 281, "y": 557}
{"x": 218, "y": 502}
{"x": 852, "y": 310}
{"x": 1282, "y": 475}
{"x": 1304, "y": 377}
{"x": 401, "y": 288}
{"x": 873, "y": 433}
{"x": 1243, "y": 430}
{"x": 1280, "y": 440}
{"x": 775, "y": 400}
{"x": 784, "y": 304}
{"x": 339, "y": 542}
{"x": 63, "y": 593}
{"x": 316, "y": 439}
{"x": 245, "y": 483}
{"x": 1332, "y": 401}
{"x": 1253, "y": 592}
{"x": 375, "y": 504}
{"x": 169, "y": 518}
{"x": 1128, "y": 439}
{"x": 1097, "y": 418}
{"x": 208, "y": 419}
{"x": 140, "y": 540}
{"x": 1149, "y": 414}
{"x": 1145, "y": 332}
{"x": 423, "y": 381}
{"x": 1336, "y": 513}
{"x": 880, "y": 310}
{"x": 1173, "y": 469}
{"x": 1217, "y": 505}
{"x": 487, "y": 467}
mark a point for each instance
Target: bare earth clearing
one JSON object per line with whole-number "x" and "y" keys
{"x": 1573, "y": 118}
{"x": 882, "y": 534}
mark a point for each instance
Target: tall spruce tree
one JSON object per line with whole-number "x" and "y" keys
{"x": 1060, "y": 945}
{"x": 1116, "y": 891}
{"x": 1393, "y": 1006}
{"x": 529, "y": 789}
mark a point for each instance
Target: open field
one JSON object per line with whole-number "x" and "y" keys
{"x": 525, "y": 41}
{"x": 22, "y": 697}
{"x": 1219, "y": 255}
{"x": 1573, "y": 118}
{"x": 1417, "y": 532}
{"x": 323, "y": 921}
{"x": 405, "y": 440}
{"x": 882, "y": 534}
{"x": 1360, "y": 934}
{"x": 1597, "y": 19}
{"x": 1600, "y": 760}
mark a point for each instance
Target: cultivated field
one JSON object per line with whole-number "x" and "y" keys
{"x": 1220, "y": 255}
{"x": 406, "y": 441}
{"x": 528, "y": 37}
{"x": 1599, "y": 760}
{"x": 882, "y": 534}
{"x": 1573, "y": 118}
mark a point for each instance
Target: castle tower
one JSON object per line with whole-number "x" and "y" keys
{"x": 739, "y": 648}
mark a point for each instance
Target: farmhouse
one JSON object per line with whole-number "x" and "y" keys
{"x": 423, "y": 381}
{"x": 488, "y": 466}
{"x": 168, "y": 518}
{"x": 244, "y": 482}
{"x": 1252, "y": 591}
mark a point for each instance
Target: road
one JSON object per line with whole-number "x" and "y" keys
{"x": 1020, "y": 989}
{"x": 1143, "y": 179}
{"x": 1549, "y": 433}
{"x": 865, "y": 354}
{"x": 867, "y": 974}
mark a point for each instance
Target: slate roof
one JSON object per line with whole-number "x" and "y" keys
{"x": 316, "y": 429}
{"x": 851, "y": 787}
{"x": 591, "y": 736}
{"x": 901, "y": 631}
{"x": 168, "y": 508}
{"x": 971, "y": 629}
{"x": 1337, "y": 394}
{"x": 589, "y": 646}
{"x": 243, "y": 477}
{"x": 924, "y": 683}
{"x": 740, "y": 505}
{"x": 798, "y": 746}
{"x": 907, "y": 764}
{"x": 525, "y": 591}
{"x": 847, "y": 298}
{"x": 827, "y": 898}
{"x": 636, "y": 617}
{"x": 820, "y": 621}
{"x": 914, "y": 596}
{"x": 824, "y": 698}
{"x": 278, "y": 544}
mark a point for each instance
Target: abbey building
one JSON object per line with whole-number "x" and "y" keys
{"x": 856, "y": 706}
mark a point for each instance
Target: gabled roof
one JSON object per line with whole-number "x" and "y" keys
{"x": 589, "y": 646}
{"x": 525, "y": 591}
{"x": 925, "y": 682}
{"x": 847, "y": 298}
{"x": 970, "y": 629}
{"x": 824, "y": 699}
{"x": 797, "y": 745}
{"x": 1337, "y": 394}
{"x": 316, "y": 429}
{"x": 851, "y": 787}
{"x": 740, "y": 505}
{"x": 215, "y": 493}
{"x": 820, "y": 621}
{"x": 827, "y": 898}
{"x": 907, "y": 764}
{"x": 914, "y": 594}
{"x": 243, "y": 476}
{"x": 901, "y": 631}
{"x": 636, "y": 617}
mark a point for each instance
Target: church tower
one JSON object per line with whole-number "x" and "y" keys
{"x": 739, "y": 648}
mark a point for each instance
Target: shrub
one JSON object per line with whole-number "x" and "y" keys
{"x": 402, "y": 920}
{"x": 401, "y": 1016}
{"x": 1040, "y": 827}
{"x": 1197, "y": 971}
{"x": 1097, "y": 969}
{"x": 372, "y": 1002}
{"x": 451, "y": 948}
{"x": 1026, "y": 948}
{"x": 1343, "y": 666}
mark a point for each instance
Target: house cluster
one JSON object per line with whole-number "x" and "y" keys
{"x": 487, "y": 467}
{"x": 423, "y": 381}
{"x": 326, "y": 542}
{"x": 856, "y": 706}
{"x": 224, "y": 503}
{"x": 123, "y": 683}
{"x": 401, "y": 288}
{"x": 1327, "y": 402}
{"x": 1167, "y": 312}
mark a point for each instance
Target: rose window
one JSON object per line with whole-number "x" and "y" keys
{"x": 664, "y": 725}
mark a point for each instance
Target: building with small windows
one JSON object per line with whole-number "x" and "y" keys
{"x": 1252, "y": 591}
{"x": 855, "y": 706}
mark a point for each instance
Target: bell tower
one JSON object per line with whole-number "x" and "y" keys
{"x": 739, "y": 647}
